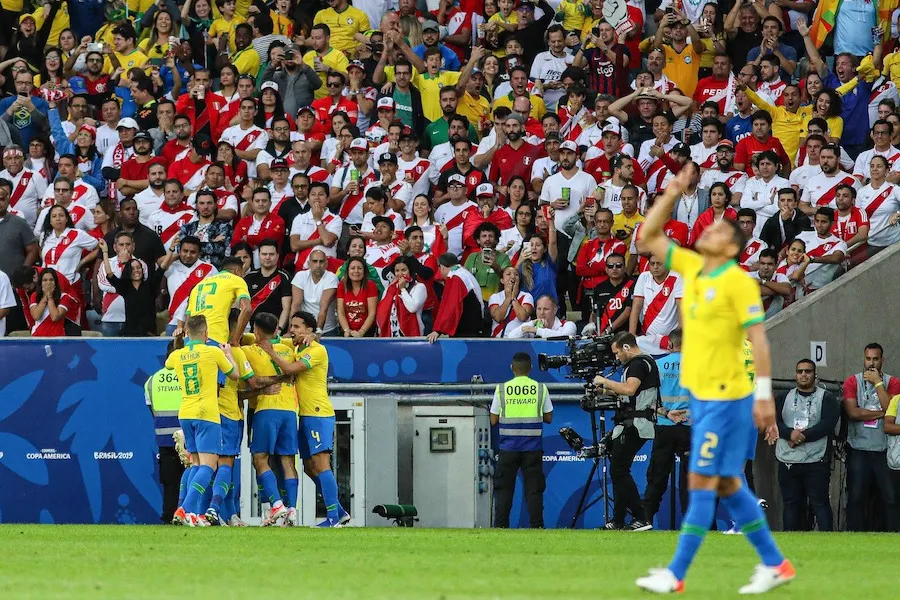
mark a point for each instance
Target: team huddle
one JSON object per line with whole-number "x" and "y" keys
{"x": 280, "y": 378}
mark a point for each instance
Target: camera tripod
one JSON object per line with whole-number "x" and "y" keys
{"x": 597, "y": 453}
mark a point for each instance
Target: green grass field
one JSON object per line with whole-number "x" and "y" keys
{"x": 67, "y": 561}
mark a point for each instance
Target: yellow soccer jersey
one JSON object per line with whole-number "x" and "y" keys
{"x": 229, "y": 405}
{"x": 241, "y": 9}
{"x": 312, "y": 384}
{"x": 220, "y": 26}
{"x": 61, "y": 22}
{"x": 126, "y": 61}
{"x": 335, "y": 59}
{"x": 213, "y": 298}
{"x": 198, "y": 367}
{"x": 749, "y": 365}
{"x": 715, "y": 311}
{"x": 263, "y": 366}
{"x": 344, "y": 25}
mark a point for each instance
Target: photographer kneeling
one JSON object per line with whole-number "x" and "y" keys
{"x": 639, "y": 395}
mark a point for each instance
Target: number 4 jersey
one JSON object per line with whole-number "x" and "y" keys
{"x": 213, "y": 298}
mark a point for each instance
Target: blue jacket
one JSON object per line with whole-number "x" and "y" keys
{"x": 449, "y": 59}
{"x": 65, "y": 146}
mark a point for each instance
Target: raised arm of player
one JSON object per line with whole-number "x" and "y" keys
{"x": 652, "y": 236}
{"x": 243, "y": 319}
{"x": 764, "y": 406}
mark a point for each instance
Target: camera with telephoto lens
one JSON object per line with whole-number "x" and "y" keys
{"x": 586, "y": 358}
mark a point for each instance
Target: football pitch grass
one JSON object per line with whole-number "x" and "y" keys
{"x": 133, "y": 562}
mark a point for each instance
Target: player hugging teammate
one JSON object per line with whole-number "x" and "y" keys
{"x": 284, "y": 376}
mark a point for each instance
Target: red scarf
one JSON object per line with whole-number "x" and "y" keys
{"x": 409, "y": 323}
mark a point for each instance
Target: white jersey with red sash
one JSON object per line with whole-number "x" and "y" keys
{"x": 394, "y": 317}
{"x": 750, "y": 253}
{"x": 352, "y": 205}
{"x": 63, "y": 252}
{"x": 82, "y": 218}
{"x": 44, "y": 326}
{"x": 703, "y": 156}
{"x": 415, "y": 172}
{"x": 820, "y": 189}
{"x": 180, "y": 280}
{"x": 245, "y": 140}
{"x": 846, "y": 226}
{"x": 398, "y": 220}
{"x": 802, "y": 174}
{"x": 26, "y": 193}
{"x": 510, "y": 320}
{"x": 315, "y": 174}
{"x": 616, "y": 304}
{"x": 645, "y": 159}
{"x": 861, "y": 169}
{"x": 82, "y": 192}
{"x": 880, "y": 205}
{"x": 115, "y": 157}
{"x": 453, "y": 217}
{"x": 735, "y": 180}
{"x": 659, "y": 313}
{"x": 570, "y": 121}
{"x": 304, "y": 226}
{"x": 380, "y": 256}
{"x": 772, "y": 90}
{"x": 191, "y": 175}
{"x": 279, "y": 196}
{"x": 883, "y": 88}
{"x": 167, "y": 221}
{"x": 818, "y": 274}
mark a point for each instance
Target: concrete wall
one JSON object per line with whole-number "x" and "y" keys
{"x": 856, "y": 309}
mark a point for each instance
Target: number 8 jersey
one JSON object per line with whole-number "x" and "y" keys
{"x": 198, "y": 366}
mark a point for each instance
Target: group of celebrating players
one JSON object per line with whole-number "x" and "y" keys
{"x": 280, "y": 378}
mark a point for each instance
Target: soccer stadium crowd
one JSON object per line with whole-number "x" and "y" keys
{"x": 433, "y": 168}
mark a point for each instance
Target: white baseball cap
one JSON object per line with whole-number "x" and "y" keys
{"x": 359, "y": 144}
{"x": 386, "y": 103}
{"x": 269, "y": 85}
{"x": 128, "y": 123}
{"x": 569, "y": 145}
{"x": 484, "y": 189}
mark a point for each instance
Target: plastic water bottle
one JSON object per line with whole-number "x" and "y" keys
{"x": 48, "y": 351}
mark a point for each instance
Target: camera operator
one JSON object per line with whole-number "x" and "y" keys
{"x": 521, "y": 406}
{"x": 673, "y": 431}
{"x": 638, "y": 394}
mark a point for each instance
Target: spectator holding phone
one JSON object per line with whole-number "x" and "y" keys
{"x": 488, "y": 264}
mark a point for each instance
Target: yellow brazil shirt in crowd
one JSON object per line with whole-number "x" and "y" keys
{"x": 334, "y": 59}
{"x": 628, "y": 225}
{"x": 538, "y": 108}
{"x": 312, "y": 384}
{"x": 127, "y": 61}
{"x": 343, "y": 25}
{"x": 198, "y": 367}
{"x": 263, "y": 366}
{"x": 429, "y": 87}
{"x": 241, "y": 9}
{"x": 716, "y": 309}
{"x": 220, "y": 26}
{"x": 229, "y": 405}
{"x": 477, "y": 110}
{"x": 246, "y": 61}
{"x": 154, "y": 51}
{"x": 60, "y": 22}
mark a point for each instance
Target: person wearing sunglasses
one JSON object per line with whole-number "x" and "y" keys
{"x": 806, "y": 416}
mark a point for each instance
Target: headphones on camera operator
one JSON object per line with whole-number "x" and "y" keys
{"x": 638, "y": 392}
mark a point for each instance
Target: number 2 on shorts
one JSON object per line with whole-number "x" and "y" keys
{"x": 711, "y": 442}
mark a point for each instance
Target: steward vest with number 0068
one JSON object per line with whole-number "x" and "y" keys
{"x": 521, "y": 414}
{"x": 163, "y": 392}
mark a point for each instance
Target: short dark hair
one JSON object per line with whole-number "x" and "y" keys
{"x": 448, "y": 259}
{"x": 190, "y": 239}
{"x": 807, "y": 361}
{"x": 789, "y": 191}
{"x": 266, "y": 322}
{"x": 761, "y": 115}
{"x": 769, "y": 253}
{"x": 874, "y": 346}
{"x": 521, "y": 363}
{"x": 625, "y": 338}
{"x": 307, "y": 318}
{"x": 268, "y": 242}
{"x": 747, "y": 212}
{"x": 826, "y": 212}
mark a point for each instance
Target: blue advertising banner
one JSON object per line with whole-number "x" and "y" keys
{"x": 77, "y": 443}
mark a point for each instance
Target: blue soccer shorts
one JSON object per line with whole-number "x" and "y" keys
{"x": 201, "y": 436}
{"x": 723, "y": 436}
{"x": 232, "y": 433}
{"x": 274, "y": 432}
{"x": 316, "y": 435}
